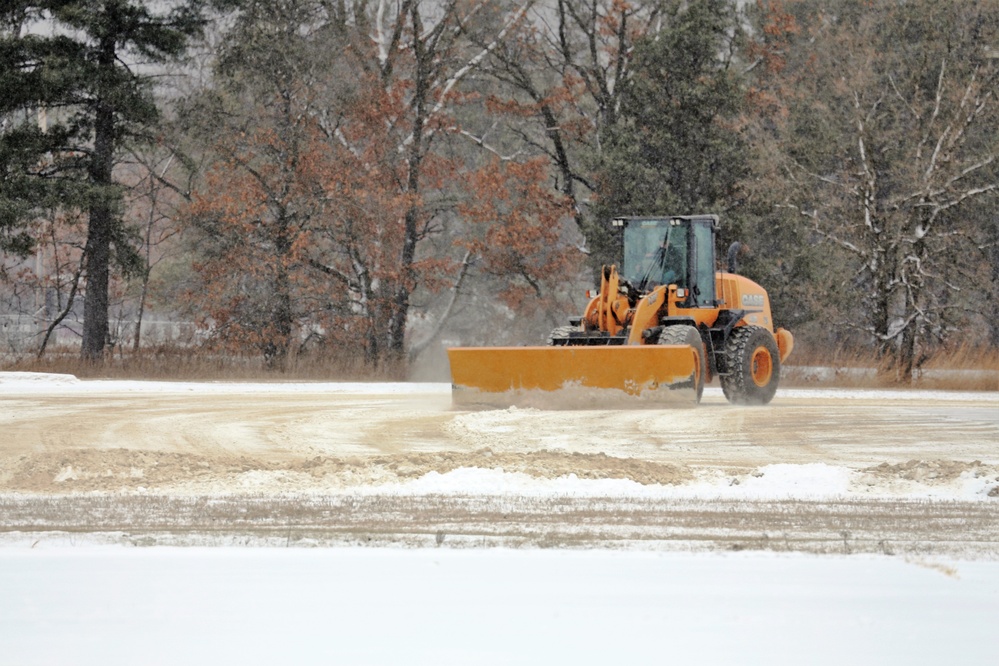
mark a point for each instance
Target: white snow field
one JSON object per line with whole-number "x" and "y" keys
{"x": 321, "y": 523}
{"x": 392, "y": 606}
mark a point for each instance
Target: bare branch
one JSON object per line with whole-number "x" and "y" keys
{"x": 936, "y": 111}
{"x": 481, "y": 142}
{"x": 455, "y": 288}
{"x": 472, "y": 64}
{"x": 70, "y": 299}
{"x": 813, "y": 215}
{"x": 978, "y": 191}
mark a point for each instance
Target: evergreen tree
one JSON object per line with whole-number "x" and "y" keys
{"x": 35, "y": 172}
{"x": 675, "y": 148}
{"x": 86, "y": 66}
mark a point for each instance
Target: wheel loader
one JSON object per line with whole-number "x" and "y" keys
{"x": 658, "y": 330}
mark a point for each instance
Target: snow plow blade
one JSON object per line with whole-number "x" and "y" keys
{"x": 574, "y": 377}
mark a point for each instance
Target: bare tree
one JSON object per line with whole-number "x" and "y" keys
{"x": 335, "y": 155}
{"x": 890, "y": 140}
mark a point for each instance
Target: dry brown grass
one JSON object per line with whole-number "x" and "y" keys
{"x": 965, "y": 367}
{"x": 960, "y": 369}
{"x": 186, "y": 364}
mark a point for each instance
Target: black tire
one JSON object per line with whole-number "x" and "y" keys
{"x": 560, "y": 336}
{"x": 687, "y": 335}
{"x": 752, "y": 366}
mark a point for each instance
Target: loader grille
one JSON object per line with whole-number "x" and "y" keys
{"x": 589, "y": 338}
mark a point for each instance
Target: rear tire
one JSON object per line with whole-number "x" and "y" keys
{"x": 688, "y": 335}
{"x": 752, "y": 366}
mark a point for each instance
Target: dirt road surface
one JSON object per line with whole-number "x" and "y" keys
{"x": 295, "y": 464}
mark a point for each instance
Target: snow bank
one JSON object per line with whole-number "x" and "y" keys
{"x": 814, "y": 481}
{"x": 25, "y": 382}
{"x": 913, "y": 395}
{"x": 35, "y": 382}
{"x": 43, "y": 380}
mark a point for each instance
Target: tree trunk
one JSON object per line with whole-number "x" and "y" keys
{"x": 892, "y": 327}
{"x": 283, "y": 320}
{"x": 992, "y": 316}
{"x": 95, "y": 303}
{"x": 281, "y": 312}
{"x": 70, "y": 300}
{"x": 900, "y": 283}
{"x": 400, "y": 305}
{"x": 100, "y": 227}
{"x": 905, "y": 358}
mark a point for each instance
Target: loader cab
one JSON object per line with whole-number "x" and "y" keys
{"x": 676, "y": 250}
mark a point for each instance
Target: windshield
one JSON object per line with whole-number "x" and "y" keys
{"x": 655, "y": 253}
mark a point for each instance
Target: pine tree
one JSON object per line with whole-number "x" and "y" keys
{"x": 35, "y": 173}
{"x": 674, "y": 148}
{"x": 86, "y": 67}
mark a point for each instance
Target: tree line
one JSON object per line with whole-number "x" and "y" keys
{"x": 366, "y": 177}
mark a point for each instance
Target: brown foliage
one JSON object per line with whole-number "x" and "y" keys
{"x": 521, "y": 218}
{"x": 315, "y": 225}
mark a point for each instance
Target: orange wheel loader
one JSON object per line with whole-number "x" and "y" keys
{"x": 657, "y": 332}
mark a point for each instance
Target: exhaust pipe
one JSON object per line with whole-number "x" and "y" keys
{"x": 733, "y": 252}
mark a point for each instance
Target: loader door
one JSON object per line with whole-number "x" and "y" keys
{"x": 702, "y": 263}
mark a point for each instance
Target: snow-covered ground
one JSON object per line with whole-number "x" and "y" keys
{"x": 810, "y": 444}
{"x": 66, "y": 600}
{"x": 389, "y": 606}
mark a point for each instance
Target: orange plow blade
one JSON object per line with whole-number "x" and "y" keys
{"x": 574, "y": 377}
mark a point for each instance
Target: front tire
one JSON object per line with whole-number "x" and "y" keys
{"x": 752, "y": 366}
{"x": 688, "y": 335}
